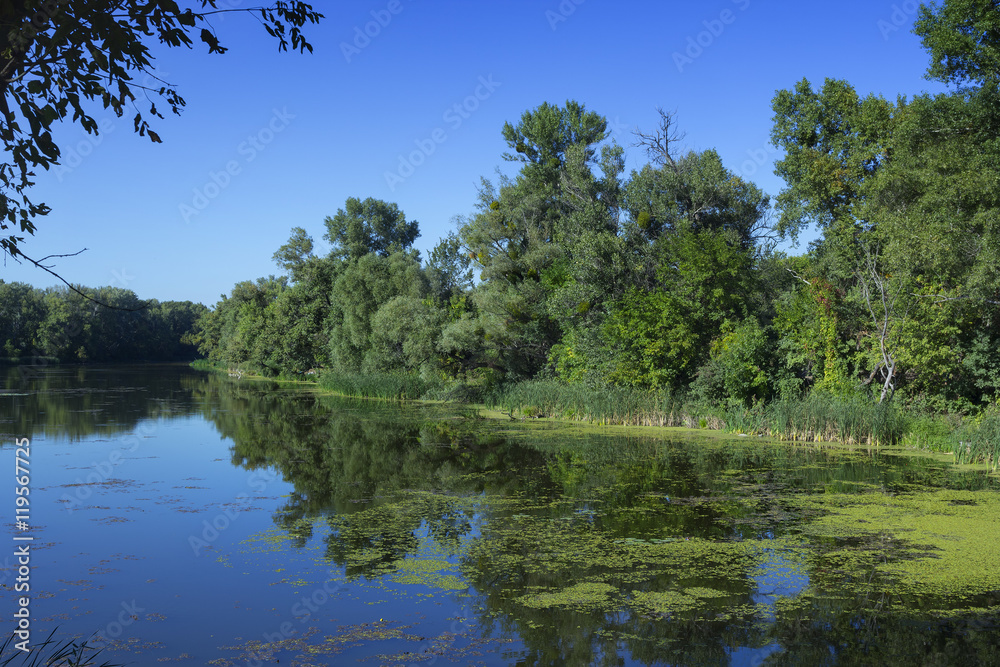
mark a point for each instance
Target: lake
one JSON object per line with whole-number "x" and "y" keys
{"x": 186, "y": 517}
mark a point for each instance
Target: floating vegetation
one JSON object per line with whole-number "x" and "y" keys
{"x": 430, "y": 572}
{"x": 585, "y": 596}
{"x": 531, "y": 541}
{"x": 673, "y": 603}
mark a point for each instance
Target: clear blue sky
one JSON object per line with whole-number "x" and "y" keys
{"x": 290, "y": 137}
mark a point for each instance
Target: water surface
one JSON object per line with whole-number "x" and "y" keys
{"x": 190, "y": 517}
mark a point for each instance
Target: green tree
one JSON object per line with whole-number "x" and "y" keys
{"x": 405, "y": 334}
{"x": 659, "y": 337}
{"x": 449, "y": 269}
{"x": 360, "y": 290}
{"x": 544, "y": 135}
{"x": 524, "y": 231}
{"x": 22, "y": 310}
{"x": 369, "y": 226}
{"x": 294, "y": 256}
{"x": 834, "y": 141}
{"x": 963, "y": 38}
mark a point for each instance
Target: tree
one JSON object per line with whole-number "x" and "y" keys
{"x": 361, "y": 289}
{"x": 524, "y": 232}
{"x": 21, "y": 313}
{"x": 449, "y": 269}
{"x": 963, "y": 38}
{"x": 541, "y": 139}
{"x": 294, "y": 255}
{"x": 60, "y": 57}
{"x": 907, "y": 198}
{"x": 834, "y": 141}
{"x": 369, "y": 226}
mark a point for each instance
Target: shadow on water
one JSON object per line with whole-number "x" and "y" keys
{"x": 588, "y": 548}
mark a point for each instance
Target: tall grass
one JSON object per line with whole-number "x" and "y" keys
{"x": 611, "y": 405}
{"x": 70, "y": 653}
{"x": 854, "y": 420}
{"x": 817, "y": 417}
{"x": 822, "y": 417}
{"x": 390, "y": 386}
{"x": 979, "y": 441}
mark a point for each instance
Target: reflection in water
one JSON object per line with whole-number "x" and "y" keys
{"x": 585, "y": 548}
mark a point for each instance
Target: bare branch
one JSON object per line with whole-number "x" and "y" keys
{"x": 798, "y": 276}
{"x": 657, "y": 143}
{"x": 48, "y": 269}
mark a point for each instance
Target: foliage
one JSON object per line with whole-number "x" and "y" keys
{"x": 665, "y": 279}
{"x": 369, "y": 226}
{"x": 963, "y": 38}
{"x": 57, "y": 323}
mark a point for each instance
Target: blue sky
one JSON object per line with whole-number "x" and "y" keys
{"x": 270, "y": 141}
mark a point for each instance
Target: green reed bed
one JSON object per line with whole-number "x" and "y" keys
{"x": 392, "y": 386}
{"x": 822, "y": 417}
{"x": 611, "y": 405}
{"x": 854, "y": 420}
{"x": 978, "y": 441}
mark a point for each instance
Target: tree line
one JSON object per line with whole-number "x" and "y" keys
{"x": 71, "y": 326}
{"x": 667, "y": 277}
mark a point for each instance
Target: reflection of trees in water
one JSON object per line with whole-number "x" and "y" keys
{"x": 529, "y": 515}
{"x": 380, "y": 474}
{"x": 80, "y": 401}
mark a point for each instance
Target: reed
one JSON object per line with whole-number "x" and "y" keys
{"x": 822, "y": 417}
{"x": 70, "y": 653}
{"x": 390, "y": 386}
{"x": 816, "y": 418}
{"x": 605, "y": 405}
{"x": 978, "y": 441}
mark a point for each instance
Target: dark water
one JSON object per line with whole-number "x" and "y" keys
{"x": 189, "y": 517}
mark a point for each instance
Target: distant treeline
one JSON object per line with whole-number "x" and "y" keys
{"x": 60, "y": 324}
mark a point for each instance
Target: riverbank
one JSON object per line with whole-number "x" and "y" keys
{"x": 815, "y": 418}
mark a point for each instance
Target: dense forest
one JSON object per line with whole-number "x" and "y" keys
{"x": 667, "y": 277}
{"x": 108, "y": 324}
